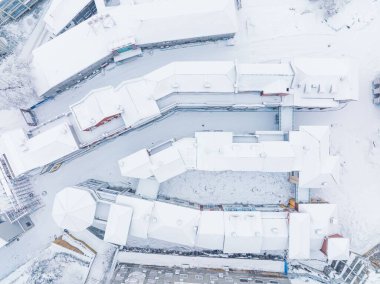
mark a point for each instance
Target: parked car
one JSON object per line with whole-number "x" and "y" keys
{"x": 376, "y": 90}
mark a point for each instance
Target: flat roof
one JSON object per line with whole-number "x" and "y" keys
{"x": 155, "y": 22}
{"x": 62, "y": 12}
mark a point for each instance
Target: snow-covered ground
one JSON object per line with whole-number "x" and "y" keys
{"x": 229, "y": 187}
{"x": 270, "y": 30}
{"x": 55, "y": 264}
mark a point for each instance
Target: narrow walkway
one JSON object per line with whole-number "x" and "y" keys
{"x": 286, "y": 118}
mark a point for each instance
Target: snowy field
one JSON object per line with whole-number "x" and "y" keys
{"x": 229, "y": 187}
{"x": 53, "y": 265}
{"x": 270, "y": 30}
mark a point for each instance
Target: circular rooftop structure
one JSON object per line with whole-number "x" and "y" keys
{"x": 74, "y": 209}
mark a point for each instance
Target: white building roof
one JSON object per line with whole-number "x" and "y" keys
{"x": 25, "y": 154}
{"x": 275, "y": 233}
{"x": 62, "y": 12}
{"x": 163, "y": 165}
{"x": 216, "y": 151}
{"x": 278, "y": 156}
{"x": 325, "y": 81}
{"x": 96, "y": 106}
{"x": 136, "y": 165}
{"x": 243, "y": 232}
{"x": 137, "y": 99}
{"x": 167, "y": 164}
{"x": 299, "y": 236}
{"x": 190, "y": 76}
{"x": 148, "y": 188}
{"x": 323, "y": 221}
{"x": 338, "y": 249}
{"x": 235, "y": 231}
{"x": 192, "y": 19}
{"x": 118, "y": 222}
{"x": 74, "y": 209}
{"x": 173, "y": 223}
{"x": 142, "y": 210}
{"x": 148, "y": 23}
{"x": 269, "y": 78}
{"x": 211, "y": 230}
{"x": 211, "y": 151}
{"x": 319, "y": 168}
{"x": 187, "y": 148}
{"x": 132, "y": 100}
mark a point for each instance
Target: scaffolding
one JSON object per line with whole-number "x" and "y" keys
{"x": 21, "y": 197}
{"x": 14, "y": 9}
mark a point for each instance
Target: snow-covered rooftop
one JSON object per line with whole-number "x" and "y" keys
{"x": 319, "y": 168}
{"x": 317, "y": 79}
{"x": 336, "y": 247}
{"x": 173, "y": 223}
{"x": 269, "y": 78}
{"x": 299, "y": 236}
{"x": 275, "y": 231}
{"x": 243, "y": 232}
{"x": 323, "y": 222}
{"x": 138, "y": 99}
{"x": 230, "y": 228}
{"x": 306, "y": 151}
{"x": 156, "y": 22}
{"x": 94, "y": 108}
{"x": 62, "y": 12}
{"x": 137, "y": 165}
{"x": 142, "y": 210}
{"x": 74, "y": 209}
{"x": 24, "y": 154}
{"x": 210, "y": 233}
{"x": 118, "y": 223}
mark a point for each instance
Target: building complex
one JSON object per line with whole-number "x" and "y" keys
{"x": 108, "y": 112}
{"x": 230, "y": 228}
{"x": 86, "y": 37}
{"x": 302, "y": 83}
{"x": 304, "y": 153}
